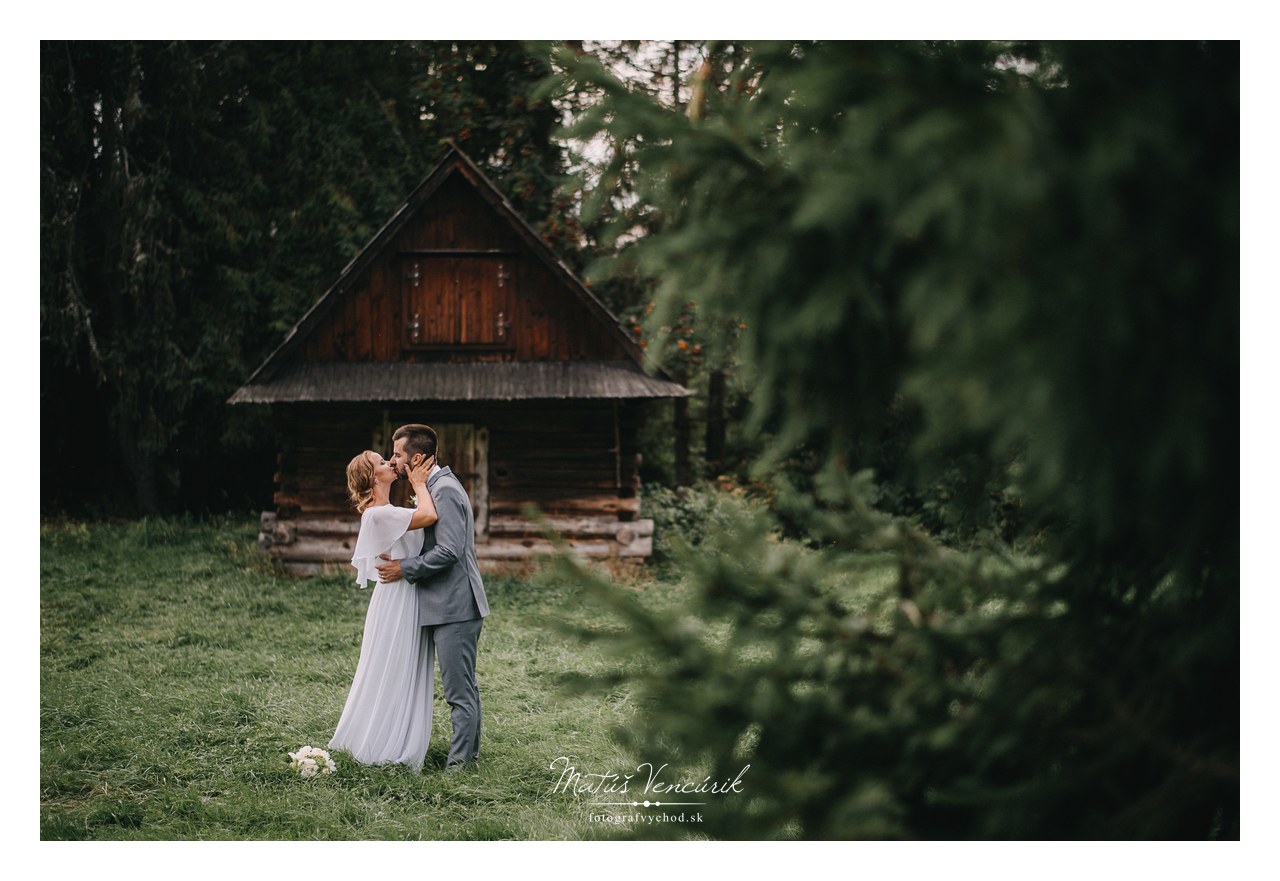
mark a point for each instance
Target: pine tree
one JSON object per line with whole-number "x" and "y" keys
{"x": 1024, "y": 260}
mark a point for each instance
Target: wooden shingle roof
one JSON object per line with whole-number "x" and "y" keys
{"x": 483, "y": 381}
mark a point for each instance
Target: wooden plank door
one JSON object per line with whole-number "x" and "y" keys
{"x": 458, "y": 299}
{"x": 465, "y": 449}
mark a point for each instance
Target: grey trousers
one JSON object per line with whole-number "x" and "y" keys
{"x": 455, "y": 646}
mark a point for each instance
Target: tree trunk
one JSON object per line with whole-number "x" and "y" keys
{"x": 715, "y": 422}
{"x": 141, "y": 466}
{"x": 684, "y": 470}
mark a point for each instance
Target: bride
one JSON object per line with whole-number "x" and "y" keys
{"x": 387, "y": 717}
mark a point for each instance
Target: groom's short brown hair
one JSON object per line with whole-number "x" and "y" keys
{"x": 417, "y": 439}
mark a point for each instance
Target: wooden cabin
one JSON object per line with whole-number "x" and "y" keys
{"x": 458, "y": 315}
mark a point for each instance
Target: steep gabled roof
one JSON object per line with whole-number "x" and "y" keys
{"x": 454, "y": 162}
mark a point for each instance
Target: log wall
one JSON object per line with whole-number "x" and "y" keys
{"x": 576, "y": 462}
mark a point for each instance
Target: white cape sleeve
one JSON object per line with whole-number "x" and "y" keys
{"x": 380, "y": 526}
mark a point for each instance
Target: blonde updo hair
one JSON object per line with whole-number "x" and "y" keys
{"x": 360, "y": 481}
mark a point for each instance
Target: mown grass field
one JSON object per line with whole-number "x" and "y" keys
{"x": 177, "y": 670}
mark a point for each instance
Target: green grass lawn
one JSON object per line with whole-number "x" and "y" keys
{"x": 177, "y": 670}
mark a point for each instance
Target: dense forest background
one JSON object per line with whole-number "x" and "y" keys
{"x": 197, "y": 198}
{"x": 973, "y": 308}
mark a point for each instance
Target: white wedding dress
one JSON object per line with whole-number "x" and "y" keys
{"x": 387, "y": 717}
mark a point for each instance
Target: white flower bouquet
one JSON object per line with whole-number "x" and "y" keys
{"x": 311, "y": 761}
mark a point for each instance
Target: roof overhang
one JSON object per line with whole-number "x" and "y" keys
{"x": 483, "y": 381}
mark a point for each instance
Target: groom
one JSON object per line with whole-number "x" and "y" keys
{"x": 451, "y": 600}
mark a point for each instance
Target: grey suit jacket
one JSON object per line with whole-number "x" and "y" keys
{"x": 446, "y": 574}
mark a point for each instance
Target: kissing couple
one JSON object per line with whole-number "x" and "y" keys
{"x": 428, "y": 603}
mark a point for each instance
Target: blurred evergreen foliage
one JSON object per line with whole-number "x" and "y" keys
{"x": 1006, "y": 276}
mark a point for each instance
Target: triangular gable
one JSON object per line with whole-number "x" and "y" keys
{"x": 454, "y": 162}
